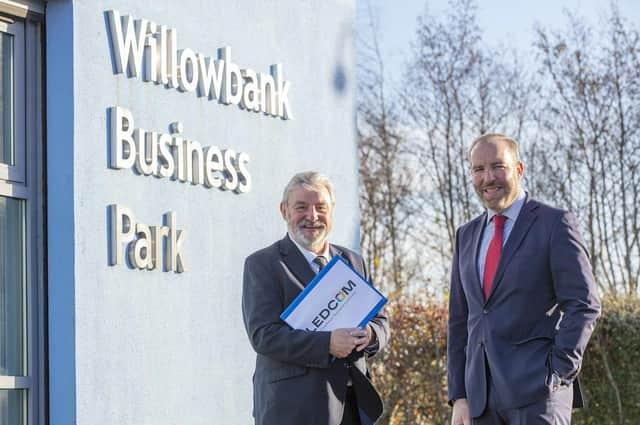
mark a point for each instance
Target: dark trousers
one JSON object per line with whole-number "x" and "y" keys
{"x": 351, "y": 415}
{"x": 553, "y": 410}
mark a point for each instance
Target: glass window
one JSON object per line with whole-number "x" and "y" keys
{"x": 7, "y": 141}
{"x": 13, "y": 101}
{"x": 22, "y": 363}
{"x": 13, "y": 407}
{"x": 12, "y": 287}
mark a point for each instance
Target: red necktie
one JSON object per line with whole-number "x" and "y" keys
{"x": 493, "y": 254}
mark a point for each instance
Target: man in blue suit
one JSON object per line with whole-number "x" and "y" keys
{"x": 523, "y": 301}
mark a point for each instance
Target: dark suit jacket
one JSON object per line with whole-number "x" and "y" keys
{"x": 296, "y": 381}
{"x": 517, "y": 332}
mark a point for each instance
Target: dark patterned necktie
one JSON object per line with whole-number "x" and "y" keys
{"x": 321, "y": 262}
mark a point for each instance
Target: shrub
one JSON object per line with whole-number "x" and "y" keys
{"x": 412, "y": 371}
{"x": 610, "y": 376}
{"x": 412, "y": 377}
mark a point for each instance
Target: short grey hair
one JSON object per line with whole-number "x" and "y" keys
{"x": 513, "y": 145}
{"x": 310, "y": 180}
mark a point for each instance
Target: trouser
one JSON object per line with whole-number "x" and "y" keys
{"x": 553, "y": 410}
{"x": 350, "y": 415}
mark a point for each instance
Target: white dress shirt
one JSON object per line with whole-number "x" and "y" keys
{"x": 511, "y": 213}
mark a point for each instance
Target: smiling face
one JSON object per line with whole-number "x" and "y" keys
{"x": 496, "y": 173}
{"x": 309, "y": 215}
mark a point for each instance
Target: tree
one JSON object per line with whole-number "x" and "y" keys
{"x": 592, "y": 119}
{"x": 385, "y": 177}
{"x": 456, "y": 90}
{"x": 577, "y": 120}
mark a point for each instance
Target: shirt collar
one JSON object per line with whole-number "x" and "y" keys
{"x": 513, "y": 210}
{"x": 309, "y": 255}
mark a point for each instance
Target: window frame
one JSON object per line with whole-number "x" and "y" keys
{"x": 24, "y": 181}
{"x": 16, "y": 172}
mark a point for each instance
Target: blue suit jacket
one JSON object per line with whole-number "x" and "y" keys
{"x": 537, "y": 319}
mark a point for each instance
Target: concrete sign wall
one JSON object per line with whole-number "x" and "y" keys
{"x": 145, "y": 260}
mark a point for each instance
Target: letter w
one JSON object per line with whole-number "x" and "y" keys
{"x": 129, "y": 46}
{"x": 210, "y": 76}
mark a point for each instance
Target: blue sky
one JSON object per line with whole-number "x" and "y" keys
{"x": 504, "y": 22}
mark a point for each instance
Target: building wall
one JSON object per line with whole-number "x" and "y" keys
{"x": 128, "y": 346}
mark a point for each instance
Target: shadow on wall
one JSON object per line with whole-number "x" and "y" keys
{"x": 344, "y": 39}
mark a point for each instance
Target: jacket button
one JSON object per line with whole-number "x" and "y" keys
{"x": 347, "y": 365}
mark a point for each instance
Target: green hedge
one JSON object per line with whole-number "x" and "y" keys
{"x": 411, "y": 372}
{"x": 610, "y": 374}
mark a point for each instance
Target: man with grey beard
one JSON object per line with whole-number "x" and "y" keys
{"x": 306, "y": 377}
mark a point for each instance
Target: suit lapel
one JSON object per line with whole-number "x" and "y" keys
{"x": 297, "y": 265}
{"x": 477, "y": 236}
{"x": 295, "y": 261}
{"x": 334, "y": 250}
{"x": 520, "y": 229}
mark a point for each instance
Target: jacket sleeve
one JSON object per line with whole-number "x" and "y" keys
{"x": 575, "y": 290}
{"x": 379, "y": 324}
{"x": 262, "y": 303}
{"x": 457, "y": 332}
